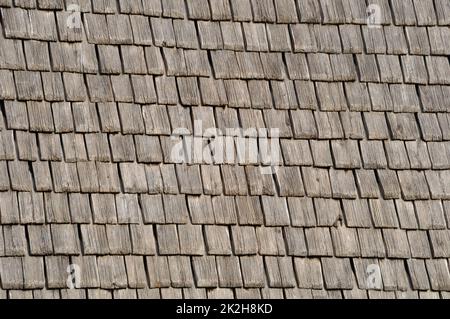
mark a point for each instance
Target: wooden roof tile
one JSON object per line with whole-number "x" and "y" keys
{"x": 20, "y": 176}
{"x": 304, "y": 39}
{"x": 376, "y": 125}
{"x": 250, "y": 66}
{"x": 42, "y": 177}
{"x": 309, "y": 273}
{"x": 142, "y": 239}
{"x": 118, "y": 239}
{"x": 368, "y": 69}
{"x": 12, "y": 56}
{"x": 229, "y": 272}
{"x": 270, "y": 241}
{"x": 394, "y": 274}
{"x": 7, "y": 88}
{"x": 374, "y": 39}
{"x": 396, "y": 155}
{"x": 112, "y": 272}
{"x": 226, "y": 210}
{"x": 436, "y": 36}
{"x": 303, "y": 124}
{"x": 65, "y": 177}
{"x": 392, "y": 72}
{"x": 166, "y": 89}
{"x": 33, "y": 272}
{"x": 419, "y": 244}
{"x": 108, "y": 177}
{"x": 163, "y": 32}
{"x": 152, "y": 208}
{"x": 296, "y": 152}
{"x": 128, "y": 210}
{"x": 406, "y": 214}
{"x": 255, "y": 37}
{"x": 383, "y": 213}
{"x": 321, "y": 153}
{"x": 439, "y": 154}
{"x": 80, "y": 208}
{"x": 31, "y": 206}
{"x": 346, "y": 154}
{"x": 373, "y": 154}
{"x": 438, "y": 239}
{"x": 284, "y": 94}
{"x": 122, "y": 147}
{"x": 319, "y": 241}
{"x": 381, "y": 97}
{"x": 418, "y": 273}
{"x": 345, "y": 242}
{"x": 352, "y": 40}
{"x": 343, "y": 184}
{"x": 252, "y": 268}
{"x": 233, "y": 38}
{"x": 286, "y": 11}
{"x": 220, "y": 10}
{"x": 429, "y": 126}
{"x": 337, "y": 273}
{"x": 436, "y": 182}
{"x": 65, "y": 239}
{"x": 275, "y": 211}
{"x": 137, "y": 277}
{"x": 63, "y": 117}
{"x": 259, "y": 183}
{"x": 56, "y": 271}
{"x": 26, "y": 146}
{"x": 353, "y": 125}
{"x": 403, "y": 12}
{"x": 15, "y": 243}
{"x": 278, "y": 37}
{"x": 175, "y": 209}
{"x": 331, "y": 96}
{"x": 301, "y": 211}
{"x": 397, "y": 245}
{"x": 119, "y": 29}
{"x": 317, "y": 182}
{"x": 320, "y": 67}
{"x": 167, "y": 238}
{"x": 104, "y": 208}
{"x": 191, "y": 239}
{"x": 371, "y": 242}
{"x": 418, "y": 40}
{"x": 141, "y": 30}
{"x": 329, "y": 125}
{"x": 199, "y": 9}
{"x": 389, "y": 184}
{"x": 57, "y": 208}
{"x": 217, "y": 240}
{"x": 105, "y": 6}
{"x": 290, "y": 176}
{"x": 40, "y": 240}
{"x": 280, "y": 272}
{"x": 234, "y": 181}
{"x": 205, "y": 271}
{"x": 357, "y": 213}
{"x": 37, "y": 55}
{"x": 328, "y": 211}
{"x": 413, "y": 185}
{"x": 9, "y": 209}
{"x": 438, "y": 273}
{"x": 404, "y": 97}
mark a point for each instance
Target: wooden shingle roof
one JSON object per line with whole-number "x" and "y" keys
{"x": 95, "y": 103}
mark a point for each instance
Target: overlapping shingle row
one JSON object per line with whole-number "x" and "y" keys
{"x": 90, "y": 190}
